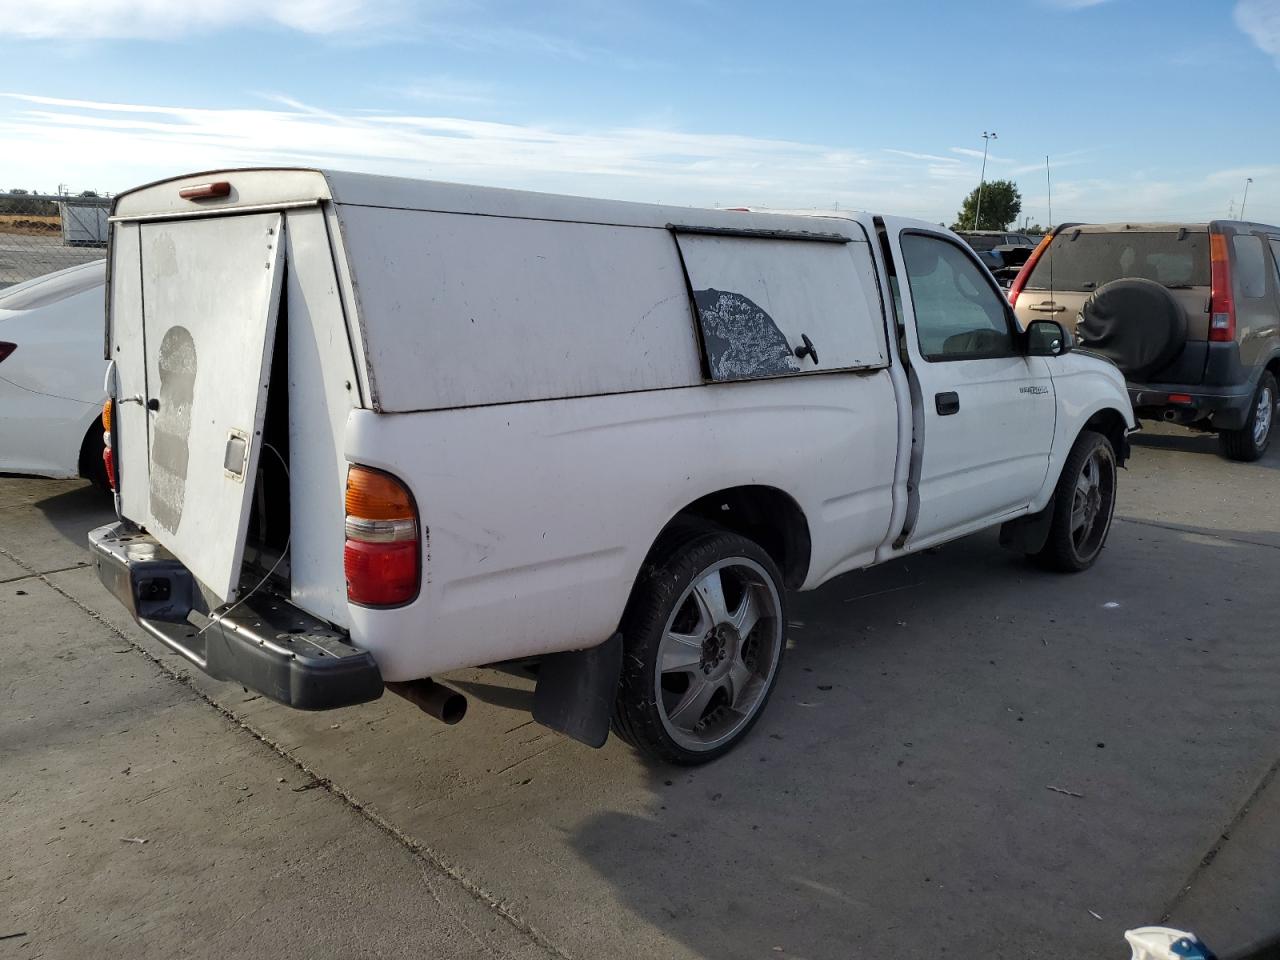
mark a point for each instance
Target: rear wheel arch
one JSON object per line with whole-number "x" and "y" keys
{"x": 766, "y": 515}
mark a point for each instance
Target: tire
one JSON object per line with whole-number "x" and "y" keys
{"x": 1083, "y": 505}
{"x": 684, "y": 650}
{"x": 1137, "y": 324}
{"x": 91, "y": 466}
{"x": 1251, "y": 441}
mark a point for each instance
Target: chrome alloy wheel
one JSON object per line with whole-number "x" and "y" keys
{"x": 1262, "y": 416}
{"x": 718, "y": 654}
{"x": 1093, "y": 500}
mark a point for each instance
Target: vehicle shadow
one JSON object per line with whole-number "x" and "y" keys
{"x": 965, "y": 756}
{"x": 1164, "y": 437}
{"x": 75, "y": 511}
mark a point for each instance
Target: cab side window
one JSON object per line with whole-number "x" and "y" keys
{"x": 959, "y": 315}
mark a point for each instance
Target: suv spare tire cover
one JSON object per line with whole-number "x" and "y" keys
{"x": 1137, "y": 324}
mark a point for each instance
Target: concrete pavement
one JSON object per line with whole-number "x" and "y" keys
{"x": 965, "y": 757}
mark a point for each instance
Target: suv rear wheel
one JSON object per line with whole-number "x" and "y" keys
{"x": 704, "y": 634}
{"x": 1251, "y": 441}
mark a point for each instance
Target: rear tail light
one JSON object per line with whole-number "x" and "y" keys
{"x": 6, "y": 349}
{"x": 1179, "y": 398}
{"x": 108, "y": 454}
{"x": 1024, "y": 274}
{"x": 382, "y": 555}
{"x": 1222, "y": 306}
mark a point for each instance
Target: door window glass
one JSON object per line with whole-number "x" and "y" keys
{"x": 959, "y": 315}
{"x": 1275, "y": 255}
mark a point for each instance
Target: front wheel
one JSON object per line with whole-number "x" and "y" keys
{"x": 1251, "y": 441}
{"x": 703, "y": 637}
{"x": 1083, "y": 504}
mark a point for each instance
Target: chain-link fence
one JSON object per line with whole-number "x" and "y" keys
{"x": 41, "y": 233}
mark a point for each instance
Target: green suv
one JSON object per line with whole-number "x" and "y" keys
{"x": 1189, "y": 312}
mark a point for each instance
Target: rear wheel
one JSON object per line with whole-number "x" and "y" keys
{"x": 704, "y": 638}
{"x": 1251, "y": 441}
{"x": 1083, "y": 504}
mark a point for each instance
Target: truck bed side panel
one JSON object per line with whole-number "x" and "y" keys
{"x": 536, "y": 517}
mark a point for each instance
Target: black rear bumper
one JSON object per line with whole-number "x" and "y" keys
{"x": 1219, "y": 397}
{"x": 1222, "y": 408}
{"x": 265, "y": 643}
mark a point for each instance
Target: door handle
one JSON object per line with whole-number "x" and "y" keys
{"x": 1048, "y": 308}
{"x": 947, "y": 403}
{"x": 807, "y": 350}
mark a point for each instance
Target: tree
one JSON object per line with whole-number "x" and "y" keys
{"x": 1001, "y": 204}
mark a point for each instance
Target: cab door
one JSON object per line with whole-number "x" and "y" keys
{"x": 984, "y": 427}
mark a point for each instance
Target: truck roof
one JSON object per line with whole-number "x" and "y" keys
{"x": 282, "y": 187}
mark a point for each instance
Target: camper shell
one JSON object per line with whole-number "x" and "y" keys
{"x": 553, "y": 382}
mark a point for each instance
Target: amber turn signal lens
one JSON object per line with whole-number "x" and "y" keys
{"x": 374, "y": 495}
{"x": 106, "y": 415}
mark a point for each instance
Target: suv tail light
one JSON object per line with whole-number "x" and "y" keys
{"x": 381, "y": 557}
{"x": 1024, "y": 274}
{"x": 108, "y": 454}
{"x": 6, "y": 349}
{"x": 1222, "y": 305}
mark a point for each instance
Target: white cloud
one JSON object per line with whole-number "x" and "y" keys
{"x": 112, "y": 146}
{"x": 162, "y": 19}
{"x": 1260, "y": 21}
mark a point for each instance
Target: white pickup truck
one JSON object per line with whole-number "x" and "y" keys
{"x": 366, "y": 430}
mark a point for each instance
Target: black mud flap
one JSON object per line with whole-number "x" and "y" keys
{"x": 1028, "y": 534}
{"x": 576, "y": 691}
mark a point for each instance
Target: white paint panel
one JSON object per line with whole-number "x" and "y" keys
{"x": 538, "y": 515}
{"x": 758, "y": 297}
{"x": 322, "y": 392}
{"x": 128, "y": 349}
{"x": 211, "y": 292}
{"x": 459, "y": 310}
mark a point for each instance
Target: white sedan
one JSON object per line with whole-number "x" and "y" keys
{"x": 51, "y": 374}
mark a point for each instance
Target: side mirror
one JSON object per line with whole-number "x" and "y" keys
{"x": 1047, "y": 338}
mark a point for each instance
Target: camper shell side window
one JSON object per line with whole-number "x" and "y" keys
{"x": 775, "y": 304}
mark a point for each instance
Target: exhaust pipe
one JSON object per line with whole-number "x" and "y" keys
{"x": 445, "y": 704}
{"x": 1171, "y": 415}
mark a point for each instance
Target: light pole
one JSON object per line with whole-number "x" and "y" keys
{"x": 1247, "y": 181}
{"x": 982, "y": 178}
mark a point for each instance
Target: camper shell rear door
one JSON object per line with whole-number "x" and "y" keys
{"x": 210, "y": 299}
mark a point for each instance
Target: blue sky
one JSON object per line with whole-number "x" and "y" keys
{"x": 1156, "y": 109}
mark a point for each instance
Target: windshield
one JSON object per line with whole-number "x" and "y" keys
{"x": 1092, "y": 259}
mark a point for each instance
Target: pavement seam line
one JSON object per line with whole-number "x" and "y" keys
{"x": 38, "y": 573}
{"x": 420, "y": 850}
{"x": 1176, "y": 528}
{"x": 1224, "y": 835}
